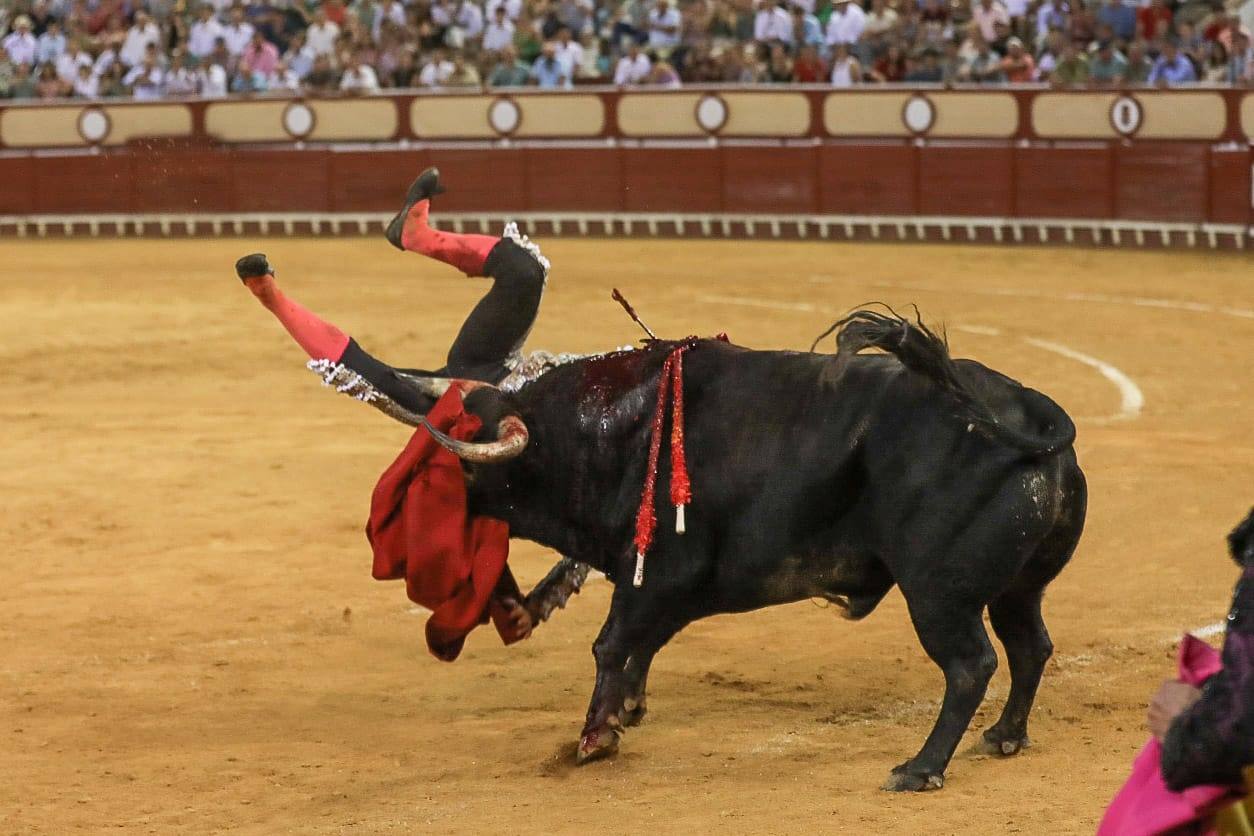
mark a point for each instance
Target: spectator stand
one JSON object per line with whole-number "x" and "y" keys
{"x": 1129, "y": 166}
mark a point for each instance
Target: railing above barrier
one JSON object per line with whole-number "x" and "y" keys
{"x": 714, "y": 114}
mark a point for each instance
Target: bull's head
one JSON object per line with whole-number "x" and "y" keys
{"x": 492, "y": 406}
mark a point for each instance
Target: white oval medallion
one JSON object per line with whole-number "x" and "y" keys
{"x": 93, "y": 125}
{"x": 1125, "y": 115}
{"x": 298, "y": 120}
{"x": 504, "y": 116}
{"x": 918, "y": 114}
{"x": 711, "y": 113}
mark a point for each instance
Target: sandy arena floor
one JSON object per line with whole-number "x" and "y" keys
{"x": 192, "y": 641}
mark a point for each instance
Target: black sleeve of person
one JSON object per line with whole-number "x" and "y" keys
{"x": 1213, "y": 741}
{"x": 384, "y": 378}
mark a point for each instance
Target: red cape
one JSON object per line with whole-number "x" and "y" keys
{"x": 420, "y": 530}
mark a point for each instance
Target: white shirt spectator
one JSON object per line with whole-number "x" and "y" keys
{"x": 68, "y": 64}
{"x": 146, "y": 83}
{"x": 106, "y": 59}
{"x": 670, "y": 18}
{"x": 203, "y": 35}
{"x": 137, "y": 40}
{"x": 361, "y": 79}
{"x": 570, "y": 54}
{"x": 435, "y": 73}
{"x": 321, "y": 38}
{"x": 50, "y": 48}
{"x": 846, "y": 23}
{"x": 287, "y": 80}
{"x": 498, "y": 36}
{"x": 183, "y": 82}
{"x": 469, "y": 18}
{"x": 391, "y": 11}
{"x": 21, "y": 47}
{"x": 629, "y": 71}
{"x": 237, "y": 37}
{"x": 772, "y": 24}
{"x": 214, "y": 83}
{"x": 87, "y": 86}
{"x": 513, "y": 8}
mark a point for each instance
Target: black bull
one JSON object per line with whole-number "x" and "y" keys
{"x": 812, "y": 476}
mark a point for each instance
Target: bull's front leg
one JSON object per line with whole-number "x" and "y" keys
{"x": 637, "y": 628}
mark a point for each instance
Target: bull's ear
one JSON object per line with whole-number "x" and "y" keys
{"x": 1241, "y": 541}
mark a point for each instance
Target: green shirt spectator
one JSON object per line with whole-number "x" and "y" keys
{"x": 1107, "y": 66}
{"x": 1072, "y": 70}
{"x": 509, "y": 71}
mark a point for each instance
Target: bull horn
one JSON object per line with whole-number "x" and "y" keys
{"x": 511, "y": 441}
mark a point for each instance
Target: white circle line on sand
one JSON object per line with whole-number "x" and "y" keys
{"x": 1132, "y": 399}
{"x": 1103, "y": 298}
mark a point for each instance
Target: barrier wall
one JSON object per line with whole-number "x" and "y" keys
{"x": 1113, "y": 166}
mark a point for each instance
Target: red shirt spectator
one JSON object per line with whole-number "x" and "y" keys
{"x": 260, "y": 56}
{"x": 1154, "y": 20}
{"x": 336, "y": 13}
{"x": 809, "y": 67}
{"x": 1018, "y": 64}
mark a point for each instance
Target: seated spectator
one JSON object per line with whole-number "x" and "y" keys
{"x": 771, "y": 22}
{"x": 891, "y": 66}
{"x": 663, "y": 75}
{"x": 1072, "y": 70}
{"x": 321, "y": 79}
{"x": 74, "y": 57}
{"x": 1154, "y": 20}
{"x": 662, "y": 25}
{"x": 550, "y": 74}
{"x": 926, "y": 69}
{"x": 112, "y": 83}
{"x": 142, "y": 34}
{"x": 299, "y": 56}
{"x": 633, "y": 67}
{"x": 463, "y": 74}
{"x": 1081, "y": 23}
{"x": 986, "y": 14}
{"x": 953, "y": 68}
{"x": 87, "y": 85}
{"x": 1120, "y": 17}
{"x": 185, "y": 77}
{"x": 985, "y": 67}
{"x": 779, "y": 66}
{"x": 846, "y": 71}
{"x": 405, "y": 74}
{"x": 1216, "y": 65}
{"x": 809, "y": 67}
{"x": 51, "y": 44}
{"x": 204, "y": 33}
{"x": 569, "y": 52}
{"x": 146, "y": 81}
{"x": 846, "y": 23}
{"x": 359, "y": 77}
{"x": 436, "y": 71}
{"x": 20, "y": 44}
{"x": 509, "y": 71}
{"x": 259, "y": 57}
{"x": 499, "y": 33}
{"x": 23, "y": 85}
{"x": 322, "y": 34}
{"x": 1240, "y": 60}
{"x": 806, "y": 29}
{"x": 1172, "y": 67}
{"x": 1107, "y": 66}
{"x": 1139, "y": 65}
{"x": 1018, "y": 66}
{"x": 49, "y": 86}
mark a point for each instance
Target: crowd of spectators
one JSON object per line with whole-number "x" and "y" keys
{"x": 166, "y": 48}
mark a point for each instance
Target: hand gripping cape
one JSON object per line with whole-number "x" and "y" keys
{"x": 420, "y": 530}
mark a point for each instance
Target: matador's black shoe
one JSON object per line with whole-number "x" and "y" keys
{"x": 252, "y": 266}
{"x": 425, "y": 187}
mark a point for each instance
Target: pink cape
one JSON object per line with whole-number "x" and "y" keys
{"x": 1145, "y": 806}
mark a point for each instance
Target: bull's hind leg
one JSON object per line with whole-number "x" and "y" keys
{"x": 954, "y": 636}
{"x": 1017, "y": 621}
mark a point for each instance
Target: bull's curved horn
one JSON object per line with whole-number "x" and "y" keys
{"x": 512, "y": 438}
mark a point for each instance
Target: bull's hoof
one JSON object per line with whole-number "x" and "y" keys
{"x": 903, "y": 781}
{"x": 596, "y": 744}
{"x": 633, "y": 711}
{"x": 998, "y": 745}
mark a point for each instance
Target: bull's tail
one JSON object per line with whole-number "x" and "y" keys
{"x": 924, "y": 352}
